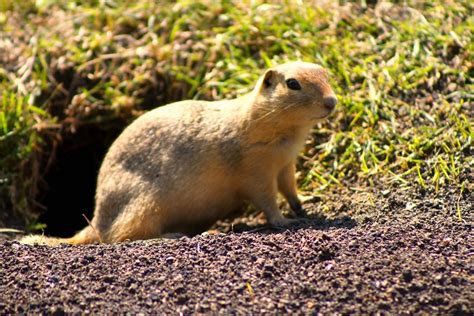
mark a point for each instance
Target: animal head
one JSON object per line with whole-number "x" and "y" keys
{"x": 298, "y": 90}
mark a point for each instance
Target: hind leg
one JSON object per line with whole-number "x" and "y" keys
{"x": 140, "y": 219}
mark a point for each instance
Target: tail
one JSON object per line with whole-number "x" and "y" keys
{"x": 85, "y": 236}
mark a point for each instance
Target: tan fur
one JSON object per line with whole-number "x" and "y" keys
{"x": 181, "y": 167}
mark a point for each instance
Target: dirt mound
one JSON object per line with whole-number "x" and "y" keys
{"x": 393, "y": 259}
{"x": 364, "y": 269}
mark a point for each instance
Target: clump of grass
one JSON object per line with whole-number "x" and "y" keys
{"x": 403, "y": 75}
{"x": 18, "y": 139}
{"x": 409, "y": 111}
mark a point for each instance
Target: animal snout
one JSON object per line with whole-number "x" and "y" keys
{"x": 330, "y": 102}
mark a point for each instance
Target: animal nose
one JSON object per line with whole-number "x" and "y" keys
{"x": 330, "y": 102}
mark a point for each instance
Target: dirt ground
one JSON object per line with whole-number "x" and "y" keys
{"x": 362, "y": 251}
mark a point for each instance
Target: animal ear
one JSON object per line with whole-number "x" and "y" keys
{"x": 268, "y": 78}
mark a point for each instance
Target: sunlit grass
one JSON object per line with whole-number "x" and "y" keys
{"x": 18, "y": 139}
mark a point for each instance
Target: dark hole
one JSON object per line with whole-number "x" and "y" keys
{"x": 71, "y": 180}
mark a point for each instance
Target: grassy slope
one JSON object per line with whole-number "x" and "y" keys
{"x": 403, "y": 75}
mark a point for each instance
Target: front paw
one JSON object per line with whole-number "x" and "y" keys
{"x": 298, "y": 209}
{"x": 284, "y": 222}
{"x": 300, "y": 212}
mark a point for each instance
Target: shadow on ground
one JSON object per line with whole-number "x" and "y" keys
{"x": 317, "y": 222}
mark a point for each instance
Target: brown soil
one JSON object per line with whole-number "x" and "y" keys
{"x": 388, "y": 251}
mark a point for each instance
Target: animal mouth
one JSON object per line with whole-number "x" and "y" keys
{"x": 322, "y": 116}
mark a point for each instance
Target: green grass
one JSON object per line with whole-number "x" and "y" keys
{"x": 404, "y": 77}
{"x": 18, "y": 139}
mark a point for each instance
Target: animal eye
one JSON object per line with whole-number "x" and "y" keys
{"x": 293, "y": 84}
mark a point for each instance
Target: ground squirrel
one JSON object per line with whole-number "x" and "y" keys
{"x": 181, "y": 167}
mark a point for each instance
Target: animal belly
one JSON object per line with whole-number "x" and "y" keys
{"x": 195, "y": 216}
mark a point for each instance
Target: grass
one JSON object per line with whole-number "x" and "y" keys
{"x": 403, "y": 74}
{"x": 18, "y": 139}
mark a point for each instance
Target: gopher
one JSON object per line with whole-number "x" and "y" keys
{"x": 181, "y": 167}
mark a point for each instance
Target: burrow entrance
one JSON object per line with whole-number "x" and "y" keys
{"x": 71, "y": 179}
